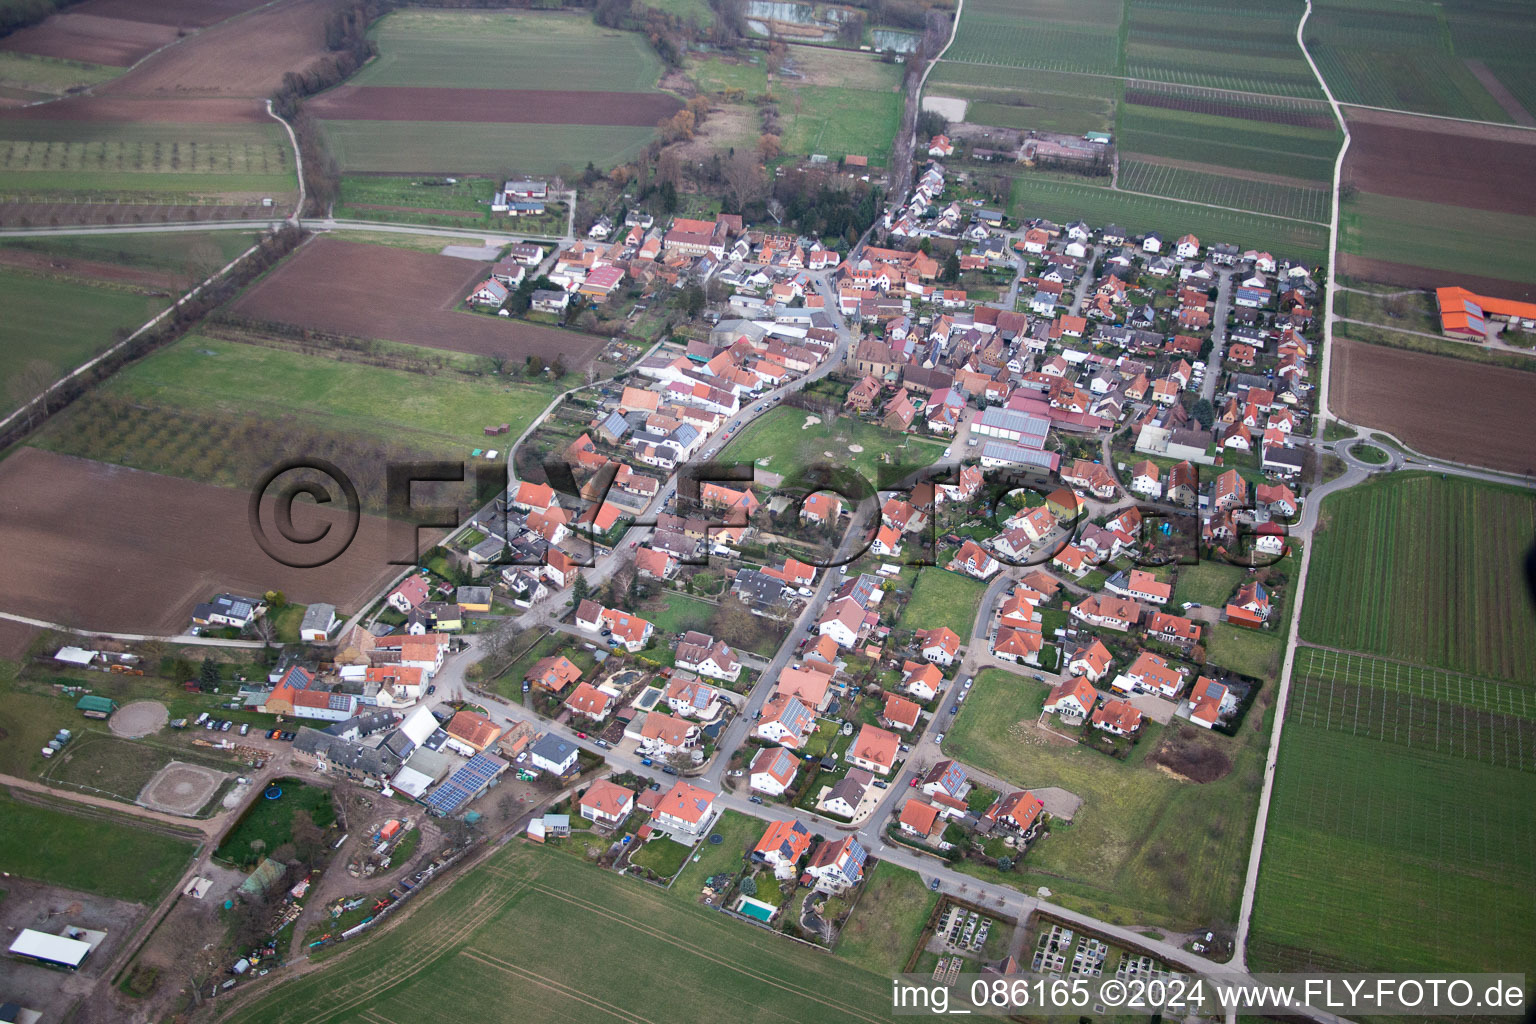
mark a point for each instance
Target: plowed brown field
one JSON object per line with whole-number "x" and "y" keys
{"x": 90, "y": 37}
{"x": 1448, "y": 408}
{"x": 374, "y": 291}
{"x": 496, "y": 106}
{"x": 102, "y": 547}
{"x": 1483, "y": 167}
{"x": 1410, "y": 276}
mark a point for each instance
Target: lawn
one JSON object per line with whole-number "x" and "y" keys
{"x": 781, "y": 442}
{"x": 661, "y": 855}
{"x": 268, "y": 823}
{"x": 1208, "y": 582}
{"x": 38, "y": 328}
{"x": 1145, "y": 847}
{"x": 50, "y": 76}
{"x": 1426, "y": 570}
{"x": 445, "y": 412}
{"x": 739, "y": 834}
{"x": 99, "y": 852}
{"x": 531, "y": 926}
{"x": 887, "y": 921}
{"x": 1036, "y": 196}
{"x": 677, "y": 613}
{"x": 943, "y": 598}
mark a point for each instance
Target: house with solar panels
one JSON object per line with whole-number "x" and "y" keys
{"x": 477, "y": 775}
{"x": 228, "y": 610}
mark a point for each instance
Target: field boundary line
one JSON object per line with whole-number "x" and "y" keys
{"x": 477, "y": 920}
{"x": 703, "y": 953}
{"x": 1439, "y": 117}
{"x": 612, "y": 1009}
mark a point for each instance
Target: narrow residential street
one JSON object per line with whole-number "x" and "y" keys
{"x": 1218, "y": 334}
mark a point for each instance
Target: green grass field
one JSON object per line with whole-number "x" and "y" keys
{"x": 534, "y": 926}
{"x": 1046, "y": 34}
{"x": 499, "y": 50}
{"x": 445, "y": 413}
{"x": 1426, "y": 570}
{"x": 97, "y": 852}
{"x": 49, "y": 76}
{"x": 738, "y": 834}
{"x": 887, "y": 921}
{"x": 1204, "y": 43}
{"x": 943, "y": 598}
{"x": 1375, "y": 858}
{"x": 183, "y": 252}
{"x": 838, "y": 122}
{"x": 778, "y": 437}
{"x": 1035, "y": 196}
{"x": 1441, "y": 237}
{"x": 61, "y": 323}
{"x": 107, "y": 765}
{"x": 1145, "y": 847}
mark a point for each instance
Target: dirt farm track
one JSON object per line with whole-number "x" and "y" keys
{"x": 374, "y": 291}
{"x": 1424, "y": 399}
{"x": 102, "y": 547}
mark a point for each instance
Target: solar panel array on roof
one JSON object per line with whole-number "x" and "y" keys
{"x": 465, "y": 784}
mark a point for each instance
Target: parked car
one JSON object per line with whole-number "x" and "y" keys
{"x": 431, "y": 689}
{"x": 201, "y": 718}
{"x": 225, "y": 726}
{"x": 934, "y": 885}
{"x": 954, "y": 709}
{"x": 581, "y": 735}
{"x": 881, "y": 784}
{"x": 755, "y": 799}
{"x": 245, "y": 727}
{"x": 288, "y": 737}
{"x": 668, "y": 769}
{"x": 939, "y": 738}
{"x": 208, "y": 725}
{"x": 604, "y": 744}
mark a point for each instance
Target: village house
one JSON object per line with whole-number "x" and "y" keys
{"x": 1075, "y": 698}
{"x": 783, "y": 844}
{"x": 606, "y": 803}
{"x": 772, "y": 771}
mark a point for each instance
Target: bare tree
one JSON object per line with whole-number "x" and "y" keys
{"x": 32, "y": 380}
{"x": 744, "y": 177}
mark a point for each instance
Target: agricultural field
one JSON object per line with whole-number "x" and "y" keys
{"x": 1426, "y": 570}
{"x": 1277, "y": 200}
{"x": 442, "y": 414}
{"x": 460, "y": 203}
{"x": 1213, "y": 45}
{"x": 372, "y": 291}
{"x": 144, "y": 163}
{"x": 173, "y": 542}
{"x": 93, "y": 851}
{"x": 1063, "y": 201}
{"x": 25, "y": 77}
{"x": 942, "y": 598}
{"x": 1374, "y": 858}
{"x": 1398, "y": 56}
{"x": 37, "y": 338}
{"x": 1371, "y": 380}
{"x": 1048, "y": 34}
{"x": 502, "y": 939}
{"x": 1146, "y": 846}
{"x": 466, "y": 92}
{"x": 1225, "y": 141}
{"x": 1027, "y": 97}
{"x": 783, "y": 443}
